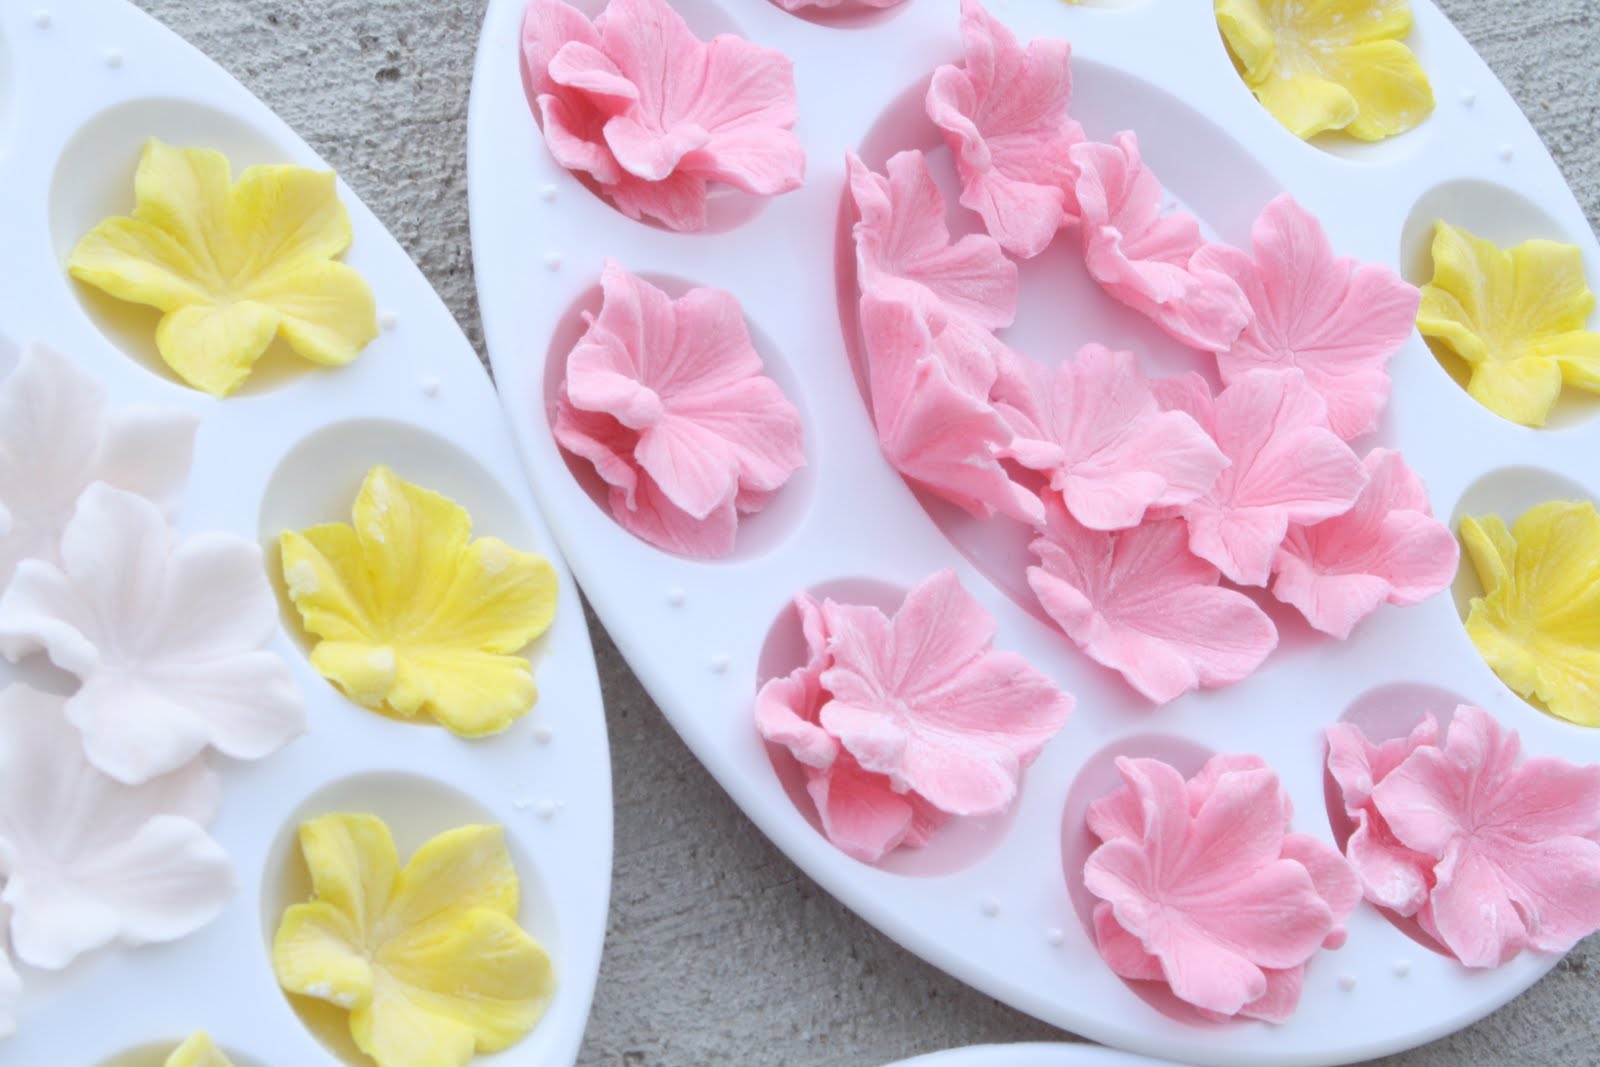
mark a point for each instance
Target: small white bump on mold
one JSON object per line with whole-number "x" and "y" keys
{"x": 1055, "y": 937}
{"x": 991, "y": 907}
{"x": 548, "y": 194}
{"x": 721, "y": 662}
{"x": 113, "y": 58}
{"x": 1506, "y": 152}
{"x": 1402, "y": 968}
{"x": 41, "y": 19}
{"x": 552, "y": 261}
{"x": 1347, "y": 982}
{"x": 547, "y": 809}
{"x": 1469, "y": 97}
{"x": 543, "y": 734}
{"x": 522, "y": 803}
{"x": 677, "y": 597}
{"x": 388, "y": 321}
{"x": 429, "y": 385}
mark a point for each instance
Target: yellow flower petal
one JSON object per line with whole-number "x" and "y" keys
{"x": 232, "y": 265}
{"x": 318, "y": 952}
{"x": 1539, "y": 626}
{"x": 352, "y": 863}
{"x": 1517, "y": 316}
{"x": 396, "y": 1032}
{"x": 416, "y": 617}
{"x": 1320, "y": 65}
{"x": 460, "y": 869}
{"x": 1391, "y": 91}
{"x": 198, "y": 1051}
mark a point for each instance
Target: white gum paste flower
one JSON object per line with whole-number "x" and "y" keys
{"x": 10, "y": 981}
{"x": 57, "y": 436}
{"x": 87, "y": 860}
{"x": 167, "y": 636}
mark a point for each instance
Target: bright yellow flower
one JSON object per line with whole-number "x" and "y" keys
{"x": 1322, "y": 65}
{"x": 415, "y": 617}
{"x": 429, "y": 960}
{"x": 231, "y": 265}
{"x": 1538, "y": 622}
{"x": 198, "y": 1051}
{"x": 1518, "y": 317}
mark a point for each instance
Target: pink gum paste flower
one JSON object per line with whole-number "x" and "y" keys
{"x": 920, "y": 703}
{"x": 57, "y": 437}
{"x": 653, "y": 114}
{"x": 1392, "y": 876}
{"x": 1337, "y": 320}
{"x": 668, "y": 400}
{"x": 1387, "y": 548}
{"x": 834, "y": 5}
{"x": 1514, "y": 844}
{"x": 1004, "y": 116}
{"x": 86, "y": 860}
{"x": 1147, "y": 259}
{"x": 1139, "y": 602}
{"x": 1285, "y": 466}
{"x": 931, "y": 406}
{"x": 1203, "y": 887}
{"x": 168, "y": 638}
{"x": 1098, "y": 432}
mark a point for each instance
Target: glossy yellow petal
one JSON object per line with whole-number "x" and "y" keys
{"x": 1250, "y": 38}
{"x": 1491, "y": 548}
{"x": 317, "y": 952}
{"x": 198, "y": 1051}
{"x": 213, "y": 347}
{"x": 1336, "y": 22}
{"x": 396, "y": 1032}
{"x": 477, "y": 969}
{"x": 1391, "y": 91}
{"x": 1307, "y": 104}
{"x": 1539, "y": 627}
{"x": 327, "y": 312}
{"x": 232, "y": 265}
{"x": 459, "y": 870}
{"x": 1518, "y": 316}
{"x": 417, "y": 618}
{"x": 353, "y": 865}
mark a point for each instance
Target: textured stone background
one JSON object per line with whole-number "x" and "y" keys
{"x": 719, "y": 950}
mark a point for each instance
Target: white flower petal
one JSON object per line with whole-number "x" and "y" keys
{"x": 56, "y": 438}
{"x": 89, "y": 860}
{"x": 167, "y": 638}
{"x": 10, "y": 981}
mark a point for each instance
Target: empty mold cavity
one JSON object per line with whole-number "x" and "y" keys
{"x": 962, "y": 842}
{"x": 415, "y": 809}
{"x": 155, "y": 1054}
{"x": 318, "y": 479}
{"x": 727, "y": 208}
{"x": 1383, "y": 714}
{"x": 758, "y": 533}
{"x": 93, "y": 181}
{"x": 1506, "y": 217}
{"x": 1098, "y": 777}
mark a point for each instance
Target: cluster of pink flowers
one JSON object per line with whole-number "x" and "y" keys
{"x": 1145, "y": 494}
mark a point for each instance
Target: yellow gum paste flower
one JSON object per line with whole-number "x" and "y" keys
{"x": 1518, "y": 317}
{"x": 198, "y": 1051}
{"x": 1321, "y": 65}
{"x": 1538, "y": 622}
{"x": 414, "y": 617}
{"x": 231, "y": 265}
{"x": 429, "y": 960}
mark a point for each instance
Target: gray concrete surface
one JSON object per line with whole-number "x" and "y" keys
{"x": 720, "y": 951}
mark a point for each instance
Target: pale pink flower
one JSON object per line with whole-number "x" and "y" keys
{"x": 1388, "y": 547}
{"x": 1146, "y": 258}
{"x": 1337, "y": 320}
{"x": 1139, "y": 602}
{"x": 668, "y": 400}
{"x": 1004, "y": 116}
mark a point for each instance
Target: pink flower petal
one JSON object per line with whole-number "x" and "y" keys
{"x": 1337, "y": 320}
{"x": 1146, "y": 259}
{"x": 1117, "y": 452}
{"x": 1388, "y": 547}
{"x": 1004, "y": 113}
{"x": 1518, "y": 847}
{"x": 787, "y": 708}
{"x": 1286, "y": 467}
{"x": 1123, "y": 952}
{"x": 864, "y": 816}
{"x": 1392, "y": 876}
{"x": 1137, "y": 601}
{"x": 903, "y": 246}
{"x": 924, "y": 699}
{"x": 935, "y": 428}
{"x": 833, "y": 5}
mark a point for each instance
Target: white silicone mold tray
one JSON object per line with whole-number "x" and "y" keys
{"x": 83, "y": 83}
{"x": 1002, "y": 906}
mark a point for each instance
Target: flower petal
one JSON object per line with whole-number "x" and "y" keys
{"x": 319, "y": 952}
{"x": 214, "y": 347}
{"x": 198, "y": 1051}
{"x": 326, "y": 310}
